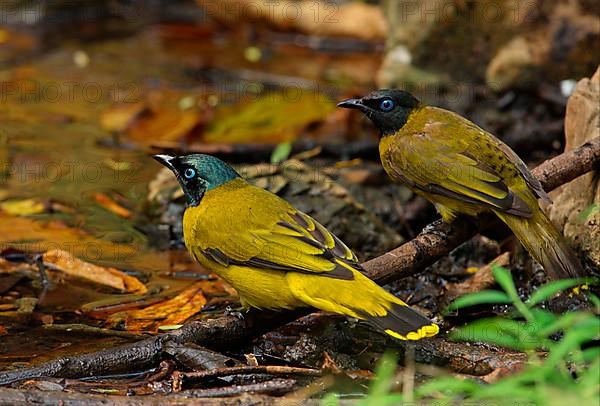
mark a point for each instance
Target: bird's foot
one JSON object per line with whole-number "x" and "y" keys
{"x": 437, "y": 228}
{"x": 235, "y": 312}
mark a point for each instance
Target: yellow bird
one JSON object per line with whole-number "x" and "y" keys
{"x": 275, "y": 256}
{"x": 463, "y": 169}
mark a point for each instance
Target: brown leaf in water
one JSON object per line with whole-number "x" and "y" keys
{"x": 111, "y": 277}
{"x": 165, "y": 313}
{"x": 164, "y": 124}
{"x": 110, "y": 205}
{"x": 120, "y": 117}
{"x": 29, "y": 234}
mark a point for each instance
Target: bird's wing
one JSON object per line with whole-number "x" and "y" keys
{"x": 531, "y": 180}
{"x": 268, "y": 233}
{"x": 446, "y": 159}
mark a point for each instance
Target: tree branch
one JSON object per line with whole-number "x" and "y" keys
{"x": 408, "y": 259}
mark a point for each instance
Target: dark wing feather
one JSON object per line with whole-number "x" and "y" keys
{"x": 455, "y": 166}
{"x": 531, "y": 180}
{"x": 312, "y": 244}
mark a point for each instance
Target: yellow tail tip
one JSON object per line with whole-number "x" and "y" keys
{"x": 424, "y": 332}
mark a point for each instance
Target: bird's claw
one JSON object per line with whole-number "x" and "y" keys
{"x": 434, "y": 228}
{"x": 235, "y": 312}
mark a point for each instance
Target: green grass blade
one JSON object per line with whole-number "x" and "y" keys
{"x": 548, "y": 290}
{"x": 384, "y": 375}
{"x": 281, "y": 152}
{"x": 482, "y": 297}
{"x": 504, "y": 279}
{"x": 449, "y": 386}
{"x": 504, "y": 332}
{"x": 591, "y": 354}
{"x": 331, "y": 399}
{"x": 572, "y": 340}
{"x": 594, "y": 299}
{"x": 561, "y": 323}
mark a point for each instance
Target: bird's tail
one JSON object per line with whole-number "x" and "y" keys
{"x": 404, "y": 323}
{"x": 545, "y": 244}
{"x": 391, "y": 315}
{"x": 363, "y": 299}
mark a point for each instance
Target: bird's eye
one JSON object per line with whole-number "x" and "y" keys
{"x": 386, "y": 105}
{"x": 189, "y": 173}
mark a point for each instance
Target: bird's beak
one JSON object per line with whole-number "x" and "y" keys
{"x": 352, "y": 104}
{"x": 165, "y": 160}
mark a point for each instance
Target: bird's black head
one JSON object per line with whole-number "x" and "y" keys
{"x": 388, "y": 109}
{"x": 198, "y": 173}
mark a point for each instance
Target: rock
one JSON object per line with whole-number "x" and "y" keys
{"x": 558, "y": 47}
{"x": 576, "y": 208}
{"x": 504, "y": 43}
{"x": 320, "y": 18}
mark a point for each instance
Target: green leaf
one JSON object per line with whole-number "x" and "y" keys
{"x": 482, "y": 297}
{"x": 281, "y": 152}
{"x": 504, "y": 279}
{"x": 518, "y": 394}
{"x": 572, "y": 340}
{"x": 550, "y": 289}
{"x": 591, "y": 354}
{"x": 561, "y": 323}
{"x": 589, "y": 380}
{"x": 543, "y": 317}
{"x": 594, "y": 299}
{"x": 391, "y": 399}
{"x": 384, "y": 375}
{"x": 504, "y": 332}
{"x": 331, "y": 399}
{"x": 448, "y": 385}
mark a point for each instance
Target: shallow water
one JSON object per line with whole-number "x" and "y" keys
{"x": 77, "y": 121}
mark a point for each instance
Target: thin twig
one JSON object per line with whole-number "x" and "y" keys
{"x": 180, "y": 377}
{"x": 99, "y": 331}
{"x": 44, "y": 279}
{"x": 273, "y": 387}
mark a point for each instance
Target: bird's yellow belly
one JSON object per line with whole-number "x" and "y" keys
{"x": 450, "y": 208}
{"x": 259, "y": 288}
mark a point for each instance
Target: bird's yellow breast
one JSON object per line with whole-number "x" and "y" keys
{"x": 222, "y": 219}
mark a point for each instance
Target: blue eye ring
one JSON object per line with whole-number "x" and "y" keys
{"x": 189, "y": 173}
{"x": 387, "y": 105}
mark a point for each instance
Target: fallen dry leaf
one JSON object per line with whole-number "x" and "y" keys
{"x": 28, "y": 234}
{"x": 119, "y": 118}
{"x": 25, "y": 207}
{"x": 166, "y": 124}
{"x": 110, "y": 205}
{"x": 8, "y": 267}
{"x": 166, "y": 313}
{"x": 482, "y": 278}
{"x": 111, "y": 277}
